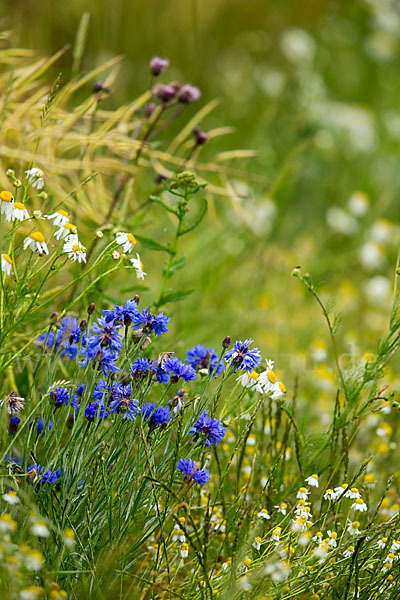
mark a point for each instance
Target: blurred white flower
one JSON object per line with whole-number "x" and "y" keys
{"x": 298, "y": 46}
{"x": 339, "y": 220}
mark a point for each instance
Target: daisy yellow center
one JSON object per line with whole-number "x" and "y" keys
{"x": 282, "y": 387}
{"x": 19, "y": 205}
{"x": 63, "y": 213}
{"x": 131, "y": 239}
{"x": 7, "y": 258}
{"x": 271, "y": 376}
{"x": 314, "y": 476}
{"x": 359, "y": 501}
{"x": 37, "y": 236}
{"x": 356, "y": 524}
{"x": 6, "y": 196}
{"x": 333, "y": 535}
{"x": 76, "y": 248}
{"x": 253, "y": 375}
{"x": 70, "y": 227}
{"x": 302, "y": 490}
{"x": 247, "y": 562}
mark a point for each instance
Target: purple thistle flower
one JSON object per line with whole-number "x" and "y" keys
{"x": 242, "y": 357}
{"x": 187, "y": 466}
{"x": 149, "y": 322}
{"x": 211, "y": 428}
{"x": 156, "y": 415}
{"x": 178, "y": 369}
{"x": 200, "y": 357}
{"x": 165, "y": 93}
{"x": 188, "y": 93}
{"x": 158, "y": 65}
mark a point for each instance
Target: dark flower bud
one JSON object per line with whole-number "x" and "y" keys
{"x": 53, "y": 317}
{"x": 160, "y": 177}
{"x": 14, "y": 423}
{"x": 149, "y": 109}
{"x": 158, "y": 65}
{"x": 188, "y": 93}
{"x": 136, "y": 299}
{"x": 201, "y": 138}
{"x": 226, "y": 342}
{"x": 165, "y": 93}
{"x": 91, "y": 308}
{"x": 83, "y": 325}
{"x": 127, "y": 320}
{"x": 99, "y": 87}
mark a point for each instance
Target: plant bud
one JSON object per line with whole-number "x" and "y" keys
{"x": 136, "y": 299}
{"x": 226, "y": 342}
{"x": 53, "y": 317}
{"x": 91, "y": 308}
{"x": 83, "y": 325}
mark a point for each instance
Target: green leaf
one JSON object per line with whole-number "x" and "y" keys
{"x": 176, "y": 265}
{"x": 174, "y": 296}
{"x": 152, "y": 244}
{"x": 198, "y": 220}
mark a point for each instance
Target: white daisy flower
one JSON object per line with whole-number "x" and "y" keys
{"x": 312, "y": 480}
{"x": 340, "y": 489}
{"x": 276, "y": 534}
{"x": 389, "y": 559}
{"x": 282, "y": 508}
{"x": 347, "y": 553}
{"x": 318, "y": 537}
{"x": 257, "y": 543}
{"x": 35, "y": 178}
{"x": 59, "y": 218}
{"x": 179, "y": 536}
{"x": 75, "y": 250}
{"x": 395, "y": 546}
{"x": 332, "y": 538}
{"x": 6, "y": 264}
{"x": 65, "y": 230}
{"x": 40, "y": 529}
{"x": 184, "y": 551}
{"x": 302, "y": 493}
{"x": 263, "y": 514}
{"x": 278, "y": 390}
{"x": 126, "y": 240}
{"x": 19, "y": 213}
{"x": 352, "y": 493}
{"x": 267, "y": 379}
{"x": 35, "y": 241}
{"x": 138, "y": 265}
{"x": 353, "y": 527}
{"x": 10, "y": 497}
{"x": 329, "y": 495}
{"x": 382, "y": 542}
{"x": 360, "y": 505}
{"x": 248, "y": 380}
{"x": 6, "y": 204}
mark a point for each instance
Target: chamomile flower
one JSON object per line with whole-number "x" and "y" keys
{"x": 257, "y": 543}
{"x": 59, "y": 218}
{"x": 263, "y": 514}
{"x": 75, "y": 250}
{"x": 347, "y": 553}
{"x": 35, "y": 241}
{"x": 278, "y": 390}
{"x": 6, "y": 264}
{"x": 312, "y": 480}
{"x": 302, "y": 493}
{"x": 282, "y": 508}
{"x": 353, "y": 527}
{"x": 359, "y": 505}
{"x": 10, "y": 497}
{"x": 39, "y": 528}
{"x": 126, "y": 240}
{"x": 353, "y": 493}
{"x": 318, "y": 537}
{"x": 332, "y": 535}
{"x": 35, "y": 178}
{"x": 329, "y": 495}
{"x": 340, "y": 489}
{"x": 276, "y": 534}
{"x": 65, "y": 230}
{"x": 138, "y": 266}
{"x": 6, "y": 204}
{"x": 184, "y": 550}
{"x": 395, "y": 546}
{"x": 382, "y": 542}
{"x": 19, "y": 213}
{"x": 389, "y": 559}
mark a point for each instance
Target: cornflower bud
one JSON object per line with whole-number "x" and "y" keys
{"x": 53, "y": 317}
{"x": 83, "y": 325}
{"x": 136, "y": 299}
{"x": 226, "y": 342}
{"x": 91, "y": 308}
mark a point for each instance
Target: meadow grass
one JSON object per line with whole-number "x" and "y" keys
{"x": 115, "y": 483}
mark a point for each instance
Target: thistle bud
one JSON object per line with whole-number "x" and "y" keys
{"x": 149, "y": 109}
{"x": 158, "y": 65}
{"x": 226, "y": 342}
{"x": 91, "y": 308}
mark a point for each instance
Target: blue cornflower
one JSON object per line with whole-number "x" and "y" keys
{"x": 161, "y": 375}
{"x": 104, "y": 335}
{"x": 122, "y": 315}
{"x": 104, "y": 360}
{"x": 123, "y": 403}
{"x": 96, "y": 410}
{"x": 101, "y": 389}
{"x": 242, "y": 357}
{"x": 14, "y": 423}
{"x": 156, "y": 415}
{"x": 65, "y": 340}
{"x": 69, "y": 332}
{"x": 49, "y": 476}
{"x": 179, "y": 369}
{"x": 149, "y": 322}
{"x": 187, "y": 466}
{"x": 202, "y": 358}
{"x": 59, "y": 396}
{"x": 42, "y": 426}
{"x": 213, "y": 429}
{"x": 141, "y": 366}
